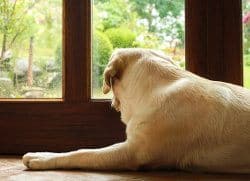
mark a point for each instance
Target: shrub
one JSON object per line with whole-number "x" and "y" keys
{"x": 102, "y": 49}
{"x": 147, "y": 40}
{"x": 121, "y": 37}
{"x": 247, "y": 59}
{"x": 58, "y": 55}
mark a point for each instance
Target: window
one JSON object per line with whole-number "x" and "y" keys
{"x": 76, "y": 120}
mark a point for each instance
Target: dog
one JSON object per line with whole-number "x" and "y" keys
{"x": 174, "y": 119}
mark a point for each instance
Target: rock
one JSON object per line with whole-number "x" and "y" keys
{"x": 5, "y": 64}
{"x": 7, "y": 55}
{"x": 54, "y": 79}
{"x": 51, "y": 66}
{"x": 34, "y": 93}
{"x": 21, "y": 68}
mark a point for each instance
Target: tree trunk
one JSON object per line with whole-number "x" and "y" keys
{"x": 29, "y": 72}
{"x": 151, "y": 28}
{"x": 3, "y": 46}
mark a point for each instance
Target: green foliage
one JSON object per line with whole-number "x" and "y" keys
{"x": 97, "y": 21}
{"x": 58, "y": 56}
{"x": 163, "y": 17}
{"x": 247, "y": 60}
{"x": 8, "y": 19}
{"x": 156, "y": 24}
{"x": 246, "y": 28}
{"x": 21, "y": 19}
{"x": 102, "y": 49}
{"x": 247, "y": 76}
{"x": 246, "y": 45}
{"x": 149, "y": 9}
{"x": 15, "y": 20}
{"x": 147, "y": 40}
{"x": 180, "y": 34}
{"x": 114, "y": 13}
{"x": 145, "y": 7}
{"x": 121, "y": 37}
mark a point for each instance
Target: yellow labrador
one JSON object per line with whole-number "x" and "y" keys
{"x": 173, "y": 117}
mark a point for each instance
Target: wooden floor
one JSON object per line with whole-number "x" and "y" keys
{"x": 11, "y": 168}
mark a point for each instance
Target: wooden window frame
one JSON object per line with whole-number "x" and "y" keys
{"x": 214, "y": 31}
{"x": 78, "y": 121}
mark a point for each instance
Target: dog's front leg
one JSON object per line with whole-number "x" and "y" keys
{"x": 115, "y": 157}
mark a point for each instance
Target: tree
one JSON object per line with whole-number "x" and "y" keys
{"x": 149, "y": 9}
{"x": 14, "y": 21}
{"x": 30, "y": 63}
{"x": 163, "y": 17}
{"x": 114, "y": 14}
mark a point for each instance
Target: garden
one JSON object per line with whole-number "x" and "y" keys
{"x": 156, "y": 24}
{"x": 30, "y": 49}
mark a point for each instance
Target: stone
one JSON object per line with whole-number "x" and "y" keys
{"x": 34, "y": 93}
{"x": 21, "y": 68}
{"x": 51, "y": 66}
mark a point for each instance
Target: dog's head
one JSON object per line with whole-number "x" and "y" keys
{"x": 120, "y": 60}
{"x": 113, "y": 73}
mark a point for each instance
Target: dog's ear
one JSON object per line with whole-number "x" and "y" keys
{"x": 108, "y": 76}
{"x": 105, "y": 88}
{"x": 113, "y": 70}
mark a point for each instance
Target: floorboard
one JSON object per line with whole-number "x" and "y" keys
{"x": 11, "y": 168}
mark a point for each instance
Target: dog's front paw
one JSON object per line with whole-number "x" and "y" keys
{"x": 40, "y": 160}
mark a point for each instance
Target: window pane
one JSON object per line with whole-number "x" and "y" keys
{"x": 246, "y": 41}
{"x": 30, "y": 49}
{"x": 135, "y": 23}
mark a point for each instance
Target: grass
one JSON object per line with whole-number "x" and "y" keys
{"x": 247, "y": 76}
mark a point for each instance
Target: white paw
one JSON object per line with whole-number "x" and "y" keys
{"x": 40, "y": 160}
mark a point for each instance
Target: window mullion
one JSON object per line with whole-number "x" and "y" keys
{"x": 77, "y": 50}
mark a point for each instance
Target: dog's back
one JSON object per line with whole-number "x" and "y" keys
{"x": 197, "y": 123}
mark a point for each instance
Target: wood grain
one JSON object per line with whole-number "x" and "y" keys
{"x": 58, "y": 127}
{"x": 11, "y": 168}
{"x": 214, "y": 39}
{"x": 77, "y": 52}
{"x": 196, "y": 36}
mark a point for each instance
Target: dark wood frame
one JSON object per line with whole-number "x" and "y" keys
{"x": 213, "y": 39}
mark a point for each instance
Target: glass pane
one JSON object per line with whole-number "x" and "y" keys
{"x": 30, "y": 48}
{"x": 246, "y": 41}
{"x": 135, "y": 23}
